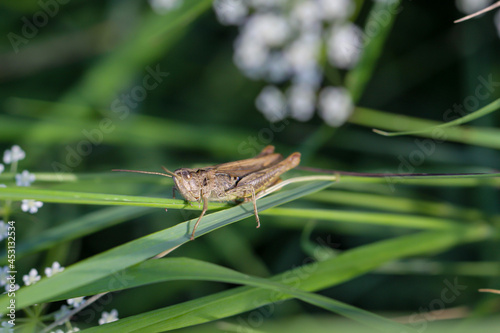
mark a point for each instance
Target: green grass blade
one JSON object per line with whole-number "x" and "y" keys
{"x": 84, "y": 198}
{"x": 383, "y": 219}
{"x": 484, "y": 111}
{"x": 396, "y": 204}
{"x": 129, "y": 254}
{"x": 189, "y": 269}
{"x": 472, "y": 135}
{"x": 310, "y": 277}
{"x": 358, "y": 77}
{"x": 79, "y": 227}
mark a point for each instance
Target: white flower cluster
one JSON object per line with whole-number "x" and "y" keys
{"x": 283, "y": 41}
{"x": 12, "y": 156}
{"x": 73, "y": 303}
{"x": 108, "y": 317}
{"x": 31, "y": 278}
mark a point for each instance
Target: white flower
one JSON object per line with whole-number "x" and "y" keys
{"x": 310, "y": 76}
{"x": 7, "y": 327}
{"x": 344, "y": 45}
{"x": 335, "y": 105}
{"x": 9, "y": 289}
{"x": 303, "y": 52}
{"x": 271, "y": 29}
{"x": 4, "y": 230}
{"x": 336, "y": 9}
{"x": 76, "y": 302}
{"x": 4, "y": 275}
{"x": 471, "y": 6}
{"x": 13, "y": 155}
{"x": 230, "y": 12}
{"x": 164, "y": 6}
{"x": 62, "y": 312}
{"x": 57, "y": 331}
{"x": 31, "y": 206}
{"x": 307, "y": 14}
{"x": 32, "y": 277}
{"x": 2, "y": 168}
{"x": 56, "y": 268}
{"x": 73, "y": 330}
{"x": 277, "y": 67}
{"x": 25, "y": 178}
{"x": 271, "y": 102}
{"x": 108, "y": 317}
{"x": 250, "y": 55}
{"x": 301, "y": 100}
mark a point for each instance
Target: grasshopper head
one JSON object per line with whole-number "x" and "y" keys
{"x": 187, "y": 182}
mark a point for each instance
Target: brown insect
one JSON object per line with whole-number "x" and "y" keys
{"x": 233, "y": 181}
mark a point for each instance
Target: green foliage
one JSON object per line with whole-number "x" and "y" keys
{"x": 370, "y": 249}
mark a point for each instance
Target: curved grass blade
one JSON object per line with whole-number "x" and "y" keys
{"x": 471, "y": 135}
{"x": 189, "y": 269}
{"x": 310, "y": 277}
{"x": 492, "y": 107}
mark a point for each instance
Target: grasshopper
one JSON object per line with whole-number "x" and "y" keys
{"x": 233, "y": 181}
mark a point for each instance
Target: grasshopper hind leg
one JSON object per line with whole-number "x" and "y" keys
{"x": 254, "y": 200}
{"x": 205, "y": 202}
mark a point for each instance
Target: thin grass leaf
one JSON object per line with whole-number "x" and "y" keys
{"x": 479, "y": 136}
{"x": 359, "y": 76}
{"x": 383, "y": 219}
{"x": 484, "y": 111}
{"x": 395, "y": 204}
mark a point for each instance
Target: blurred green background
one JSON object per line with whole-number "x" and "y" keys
{"x": 66, "y": 79}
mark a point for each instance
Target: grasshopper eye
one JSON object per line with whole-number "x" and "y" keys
{"x": 186, "y": 174}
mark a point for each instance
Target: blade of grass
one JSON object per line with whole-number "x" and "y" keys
{"x": 131, "y": 253}
{"x": 479, "y": 136}
{"x": 76, "y": 228}
{"x": 20, "y": 193}
{"x": 395, "y": 204}
{"x": 484, "y": 111}
{"x": 310, "y": 277}
{"x": 383, "y": 219}
{"x": 359, "y": 76}
{"x": 153, "y": 271}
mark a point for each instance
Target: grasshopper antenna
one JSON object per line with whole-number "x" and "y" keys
{"x": 170, "y": 173}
